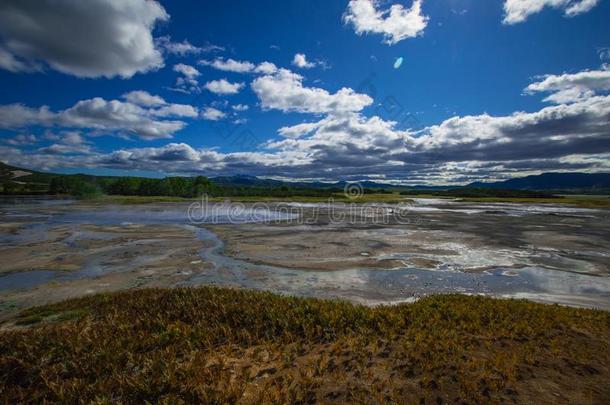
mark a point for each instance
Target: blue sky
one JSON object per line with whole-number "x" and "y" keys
{"x": 486, "y": 90}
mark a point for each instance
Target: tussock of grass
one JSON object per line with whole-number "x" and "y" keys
{"x": 212, "y": 345}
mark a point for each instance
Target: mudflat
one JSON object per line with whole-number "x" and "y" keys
{"x": 53, "y": 250}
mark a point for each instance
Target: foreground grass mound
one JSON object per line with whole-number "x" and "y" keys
{"x": 212, "y": 345}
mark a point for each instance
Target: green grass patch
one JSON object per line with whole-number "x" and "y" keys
{"x": 29, "y": 320}
{"x": 213, "y": 345}
{"x": 581, "y": 201}
{"x": 36, "y": 315}
{"x": 578, "y": 201}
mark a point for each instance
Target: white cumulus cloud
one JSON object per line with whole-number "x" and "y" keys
{"x": 188, "y": 82}
{"x": 212, "y": 114}
{"x": 395, "y": 24}
{"x": 285, "y": 91}
{"x": 105, "y": 116}
{"x": 185, "y": 47}
{"x": 235, "y": 66}
{"x": 240, "y": 107}
{"x": 143, "y": 98}
{"x": 22, "y": 139}
{"x": 300, "y": 60}
{"x": 186, "y": 70}
{"x": 516, "y": 11}
{"x": 92, "y": 38}
{"x": 223, "y": 86}
{"x": 571, "y": 87}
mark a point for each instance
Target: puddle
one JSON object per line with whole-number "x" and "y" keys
{"x": 26, "y": 279}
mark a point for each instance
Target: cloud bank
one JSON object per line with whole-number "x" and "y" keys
{"x": 142, "y": 115}
{"x": 345, "y": 144}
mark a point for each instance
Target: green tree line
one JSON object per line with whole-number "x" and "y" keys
{"x": 187, "y": 187}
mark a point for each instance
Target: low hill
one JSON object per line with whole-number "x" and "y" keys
{"x": 246, "y": 181}
{"x": 15, "y": 180}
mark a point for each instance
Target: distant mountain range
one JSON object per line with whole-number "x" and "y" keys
{"x": 252, "y": 181}
{"x": 553, "y": 181}
{"x": 584, "y": 182}
{"x": 545, "y": 181}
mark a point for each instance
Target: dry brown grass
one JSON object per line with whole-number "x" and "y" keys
{"x": 211, "y": 345}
